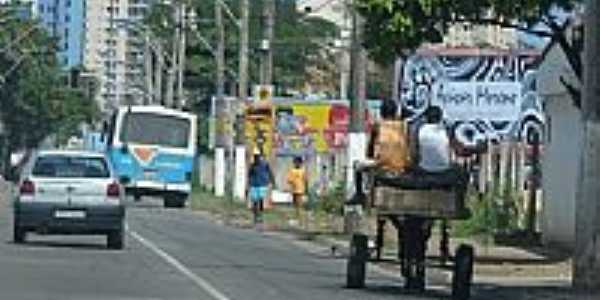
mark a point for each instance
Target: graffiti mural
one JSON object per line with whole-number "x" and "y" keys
{"x": 493, "y": 91}
{"x": 293, "y": 134}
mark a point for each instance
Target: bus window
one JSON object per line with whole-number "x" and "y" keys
{"x": 153, "y": 129}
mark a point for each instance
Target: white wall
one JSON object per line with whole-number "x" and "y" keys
{"x": 560, "y": 169}
{"x": 560, "y": 165}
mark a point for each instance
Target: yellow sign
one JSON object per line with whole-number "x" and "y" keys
{"x": 259, "y": 128}
{"x": 263, "y": 92}
{"x": 316, "y": 118}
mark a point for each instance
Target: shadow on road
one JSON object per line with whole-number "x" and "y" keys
{"x": 397, "y": 290}
{"x": 267, "y": 269}
{"x": 493, "y": 260}
{"x": 63, "y": 244}
{"x": 487, "y": 291}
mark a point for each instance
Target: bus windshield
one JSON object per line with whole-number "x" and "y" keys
{"x": 155, "y": 129}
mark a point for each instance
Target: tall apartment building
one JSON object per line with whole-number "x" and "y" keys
{"x": 64, "y": 20}
{"x": 113, "y": 51}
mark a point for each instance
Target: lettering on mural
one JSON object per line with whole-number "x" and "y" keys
{"x": 478, "y": 100}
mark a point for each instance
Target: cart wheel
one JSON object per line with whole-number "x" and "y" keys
{"x": 357, "y": 262}
{"x": 463, "y": 272}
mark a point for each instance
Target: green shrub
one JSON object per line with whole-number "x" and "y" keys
{"x": 495, "y": 212}
{"x": 333, "y": 201}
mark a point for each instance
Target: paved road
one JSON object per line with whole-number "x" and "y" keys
{"x": 177, "y": 254}
{"x": 174, "y": 254}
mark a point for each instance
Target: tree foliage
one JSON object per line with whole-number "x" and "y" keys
{"x": 396, "y": 26}
{"x": 35, "y": 98}
{"x": 299, "y": 41}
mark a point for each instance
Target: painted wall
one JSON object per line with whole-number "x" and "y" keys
{"x": 493, "y": 88}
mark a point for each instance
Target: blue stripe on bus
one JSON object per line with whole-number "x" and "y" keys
{"x": 163, "y": 168}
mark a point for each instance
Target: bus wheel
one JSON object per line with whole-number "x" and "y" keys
{"x": 174, "y": 201}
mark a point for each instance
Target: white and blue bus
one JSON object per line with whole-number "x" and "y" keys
{"x": 153, "y": 149}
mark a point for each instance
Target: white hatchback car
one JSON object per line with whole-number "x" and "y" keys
{"x": 69, "y": 192}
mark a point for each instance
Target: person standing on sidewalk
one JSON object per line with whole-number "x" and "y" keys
{"x": 259, "y": 178}
{"x": 297, "y": 181}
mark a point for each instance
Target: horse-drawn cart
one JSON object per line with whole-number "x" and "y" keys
{"x": 412, "y": 203}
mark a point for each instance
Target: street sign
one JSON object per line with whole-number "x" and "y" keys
{"x": 466, "y": 101}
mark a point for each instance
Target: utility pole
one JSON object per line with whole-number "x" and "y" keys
{"x": 243, "y": 71}
{"x": 222, "y": 111}
{"x": 267, "y": 46}
{"x": 344, "y": 59}
{"x": 586, "y": 265}
{"x": 182, "y": 46}
{"x": 240, "y": 150}
{"x": 112, "y": 54}
{"x": 148, "y": 71}
{"x": 158, "y": 73}
{"x": 174, "y": 61}
{"x": 357, "y": 139}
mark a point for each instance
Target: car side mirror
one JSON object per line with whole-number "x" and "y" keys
{"x": 124, "y": 180}
{"x": 124, "y": 149}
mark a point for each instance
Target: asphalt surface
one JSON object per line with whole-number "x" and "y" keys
{"x": 176, "y": 254}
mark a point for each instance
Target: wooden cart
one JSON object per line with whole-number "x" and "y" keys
{"x": 413, "y": 212}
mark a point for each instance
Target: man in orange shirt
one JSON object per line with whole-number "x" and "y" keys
{"x": 297, "y": 181}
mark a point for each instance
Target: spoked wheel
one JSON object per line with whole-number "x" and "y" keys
{"x": 356, "y": 266}
{"x": 463, "y": 272}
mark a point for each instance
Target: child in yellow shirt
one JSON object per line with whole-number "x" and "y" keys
{"x": 297, "y": 181}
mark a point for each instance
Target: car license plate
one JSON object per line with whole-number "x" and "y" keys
{"x": 69, "y": 214}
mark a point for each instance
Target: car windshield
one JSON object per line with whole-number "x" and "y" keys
{"x": 154, "y": 129}
{"x": 61, "y": 166}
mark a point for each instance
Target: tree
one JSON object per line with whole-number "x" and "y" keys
{"x": 35, "y": 99}
{"x": 586, "y": 263}
{"x": 299, "y": 43}
{"x": 396, "y": 27}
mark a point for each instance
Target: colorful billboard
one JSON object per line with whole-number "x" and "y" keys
{"x": 300, "y": 128}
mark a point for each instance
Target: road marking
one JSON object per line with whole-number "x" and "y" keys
{"x": 199, "y": 281}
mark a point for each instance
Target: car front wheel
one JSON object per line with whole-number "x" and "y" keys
{"x": 174, "y": 200}
{"x": 19, "y": 234}
{"x": 115, "y": 239}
